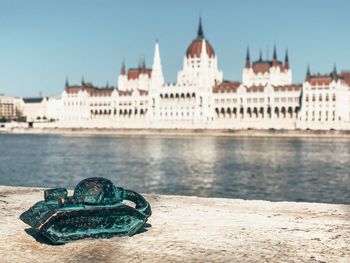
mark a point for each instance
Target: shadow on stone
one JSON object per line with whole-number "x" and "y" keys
{"x": 44, "y": 240}
{"x": 144, "y": 228}
{"x": 39, "y": 237}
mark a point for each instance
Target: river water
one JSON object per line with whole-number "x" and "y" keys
{"x": 268, "y": 168}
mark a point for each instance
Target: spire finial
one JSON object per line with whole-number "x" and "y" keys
{"x": 82, "y": 81}
{"x": 308, "y": 74}
{"x": 334, "y": 73}
{"x": 156, "y": 57}
{"x": 157, "y": 73}
{"x": 247, "y": 59}
{"x": 67, "y": 83}
{"x": 274, "y": 52}
{"x": 122, "y": 70}
{"x": 286, "y": 60}
{"x": 200, "y": 33}
{"x": 260, "y": 55}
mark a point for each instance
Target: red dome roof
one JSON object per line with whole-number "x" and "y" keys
{"x": 195, "y": 49}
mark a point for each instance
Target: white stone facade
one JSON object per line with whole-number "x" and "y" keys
{"x": 325, "y": 102}
{"x": 202, "y": 99}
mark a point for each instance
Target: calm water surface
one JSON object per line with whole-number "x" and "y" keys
{"x": 294, "y": 169}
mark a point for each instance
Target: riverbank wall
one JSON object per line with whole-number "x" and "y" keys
{"x": 192, "y": 229}
{"x": 180, "y": 132}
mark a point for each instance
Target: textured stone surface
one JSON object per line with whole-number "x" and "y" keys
{"x": 190, "y": 229}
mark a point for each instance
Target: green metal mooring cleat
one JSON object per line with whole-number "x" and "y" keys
{"x": 95, "y": 210}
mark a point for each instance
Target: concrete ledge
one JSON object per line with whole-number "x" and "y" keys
{"x": 183, "y": 132}
{"x": 191, "y": 229}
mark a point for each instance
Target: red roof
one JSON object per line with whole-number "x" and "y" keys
{"x": 135, "y": 73}
{"x": 287, "y": 88}
{"x": 264, "y": 66}
{"x": 143, "y": 92}
{"x": 92, "y": 90}
{"x": 345, "y": 75}
{"x": 254, "y": 88}
{"x": 226, "y": 86}
{"x": 125, "y": 92}
{"x": 261, "y": 67}
{"x": 102, "y": 92}
{"x": 320, "y": 80}
{"x": 195, "y": 48}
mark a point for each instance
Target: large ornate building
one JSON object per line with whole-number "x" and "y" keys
{"x": 201, "y": 98}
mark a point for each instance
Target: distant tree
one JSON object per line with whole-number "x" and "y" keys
{"x": 19, "y": 116}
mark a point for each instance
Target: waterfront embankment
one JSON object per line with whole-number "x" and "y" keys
{"x": 182, "y": 132}
{"x": 191, "y": 229}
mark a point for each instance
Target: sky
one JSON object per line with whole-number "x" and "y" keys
{"x": 43, "y": 42}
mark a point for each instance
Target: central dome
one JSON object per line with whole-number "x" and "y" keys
{"x": 195, "y": 49}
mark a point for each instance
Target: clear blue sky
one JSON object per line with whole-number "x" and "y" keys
{"x": 42, "y": 42}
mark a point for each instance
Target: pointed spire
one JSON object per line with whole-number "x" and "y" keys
{"x": 157, "y": 73}
{"x": 274, "y": 53}
{"x": 308, "y": 74}
{"x": 122, "y": 70}
{"x": 260, "y": 55}
{"x": 286, "y": 60}
{"x": 204, "y": 54}
{"x": 67, "y": 83}
{"x": 247, "y": 59}
{"x": 82, "y": 81}
{"x": 200, "y": 33}
{"x": 156, "y": 57}
{"x": 143, "y": 65}
{"x": 334, "y": 73}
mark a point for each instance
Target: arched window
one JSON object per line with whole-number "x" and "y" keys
{"x": 283, "y": 111}
{"x": 249, "y": 112}
{"x": 261, "y": 112}
{"x": 223, "y": 111}
{"x": 255, "y": 110}
{"x": 234, "y": 111}
{"x": 290, "y": 112}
